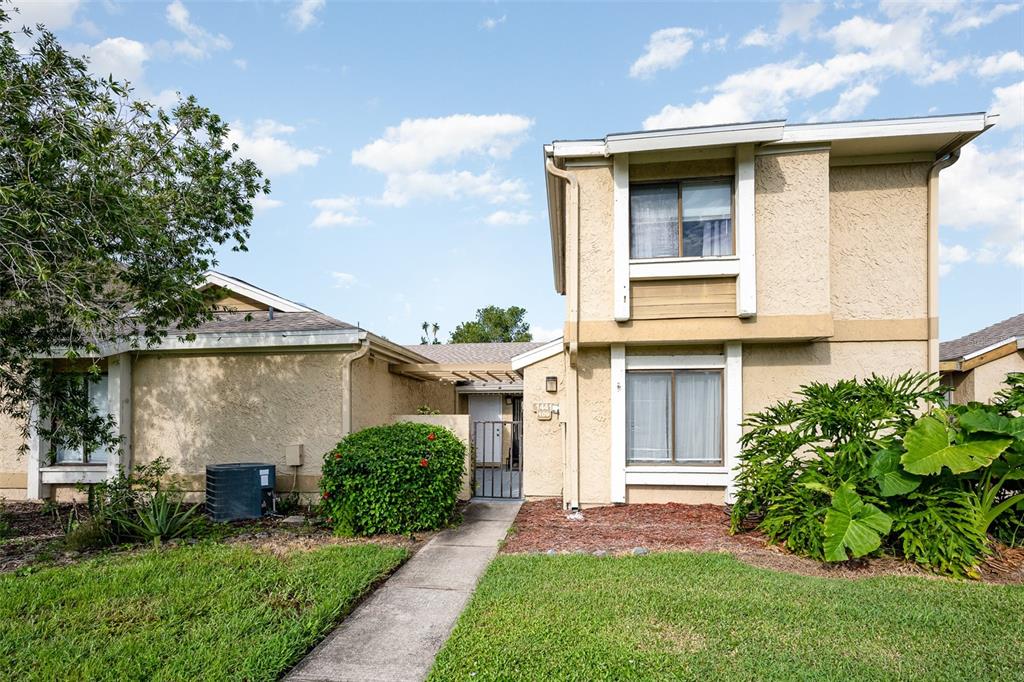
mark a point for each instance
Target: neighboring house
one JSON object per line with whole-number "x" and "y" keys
{"x": 974, "y": 366}
{"x": 260, "y": 380}
{"x": 709, "y": 272}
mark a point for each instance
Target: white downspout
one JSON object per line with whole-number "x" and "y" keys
{"x": 346, "y": 385}
{"x": 571, "y": 498}
{"x": 933, "y": 256}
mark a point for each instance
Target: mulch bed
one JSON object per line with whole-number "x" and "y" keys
{"x": 542, "y": 527}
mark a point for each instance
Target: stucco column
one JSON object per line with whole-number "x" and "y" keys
{"x": 119, "y": 402}
{"x": 38, "y": 451}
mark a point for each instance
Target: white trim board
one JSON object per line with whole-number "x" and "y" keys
{"x": 675, "y": 362}
{"x": 682, "y": 268}
{"x": 214, "y": 278}
{"x": 622, "y": 270}
{"x": 548, "y": 350}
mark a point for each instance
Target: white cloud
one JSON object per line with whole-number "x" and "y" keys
{"x": 852, "y": 102}
{"x": 343, "y": 280}
{"x": 984, "y": 192}
{"x": 273, "y": 155}
{"x": 997, "y": 64}
{"x": 409, "y": 153}
{"x": 952, "y": 255}
{"x": 665, "y": 50}
{"x": 509, "y": 218}
{"x": 242, "y": 64}
{"x": 336, "y": 211}
{"x": 198, "y": 43}
{"x": 972, "y": 16}
{"x": 866, "y": 51}
{"x": 491, "y": 23}
{"x": 54, "y": 14}
{"x": 303, "y": 13}
{"x": 1008, "y": 102}
{"x": 417, "y": 143}
{"x": 123, "y": 58}
{"x": 715, "y": 44}
{"x": 261, "y": 202}
{"x": 545, "y": 333}
{"x": 794, "y": 19}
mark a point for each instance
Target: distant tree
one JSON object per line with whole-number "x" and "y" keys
{"x": 430, "y": 330}
{"x": 111, "y": 211}
{"x": 494, "y": 324}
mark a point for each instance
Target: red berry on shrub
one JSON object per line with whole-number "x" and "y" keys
{"x": 431, "y": 437}
{"x": 337, "y": 455}
{"x": 423, "y": 462}
{"x": 327, "y": 496}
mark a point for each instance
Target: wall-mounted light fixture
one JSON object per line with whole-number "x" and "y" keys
{"x": 551, "y": 384}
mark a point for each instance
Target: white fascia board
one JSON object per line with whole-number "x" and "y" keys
{"x": 214, "y": 278}
{"x": 548, "y": 350}
{"x": 927, "y": 125}
{"x": 489, "y": 387}
{"x": 992, "y": 347}
{"x": 235, "y": 341}
{"x": 577, "y": 148}
{"x": 705, "y": 136}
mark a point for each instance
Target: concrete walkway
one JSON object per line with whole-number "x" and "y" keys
{"x": 395, "y": 634}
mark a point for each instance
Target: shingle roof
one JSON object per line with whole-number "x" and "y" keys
{"x": 965, "y": 345}
{"x": 260, "y": 321}
{"x": 473, "y": 353}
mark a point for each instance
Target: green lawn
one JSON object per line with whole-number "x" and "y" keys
{"x": 710, "y": 617}
{"x": 209, "y": 611}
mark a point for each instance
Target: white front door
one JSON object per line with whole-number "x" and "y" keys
{"x": 485, "y": 418}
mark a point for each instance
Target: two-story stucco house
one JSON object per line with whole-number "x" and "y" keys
{"x": 710, "y": 271}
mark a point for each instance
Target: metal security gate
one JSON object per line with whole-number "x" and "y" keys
{"x": 498, "y": 458}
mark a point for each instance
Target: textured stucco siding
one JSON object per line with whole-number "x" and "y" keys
{"x": 542, "y": 439}
{"x": 791, "y": 209}
{"x": 595, "y": 382}
{"x": 196, "y": 410}
{"x": 988, "y": 378}
{"x": 680, "y": 494}
{"x": 773, "y": 372}
{"x": 596, "y": 249}
{"x": 378, "y": 394}
{"x": 12, "y": 463}
{"x": 879, "y": 232}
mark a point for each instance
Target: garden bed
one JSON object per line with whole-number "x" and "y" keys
{"x": 542, "y": 526}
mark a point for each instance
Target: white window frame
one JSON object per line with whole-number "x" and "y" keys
{"x": 623, "y": 475}
{"x": 741, "y": 265}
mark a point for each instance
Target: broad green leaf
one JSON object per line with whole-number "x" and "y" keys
{"x": 929, "y": 449}
{"x": 987, "y": 421}
{"x": 892, "y": 479}
{"x": 852, "y": 525}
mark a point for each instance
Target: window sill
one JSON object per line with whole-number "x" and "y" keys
{"x": 73, "y": 472}
{"x": 680, "y": 268}
{"x": 714, "y": 475}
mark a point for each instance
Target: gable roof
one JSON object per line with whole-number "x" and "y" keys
{"x": 263, "y": 321}
{"x": 251, "y": 291}
{"x": 994, "y": 335}
{"x": 473, "y": 353}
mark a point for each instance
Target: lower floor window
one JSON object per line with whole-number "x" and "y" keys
{"x": 674, "y": 416}
{"x": 94, "y": 392}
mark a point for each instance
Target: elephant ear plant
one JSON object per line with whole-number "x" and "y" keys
{"x": 882, "y": 464}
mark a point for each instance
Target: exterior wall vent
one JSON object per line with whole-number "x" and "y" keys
{"x": 239, "y": 491}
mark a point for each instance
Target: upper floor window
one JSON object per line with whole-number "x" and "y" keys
{"x": 684, "y": 219}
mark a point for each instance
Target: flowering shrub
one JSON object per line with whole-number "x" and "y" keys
{"x": 398, "y": 478}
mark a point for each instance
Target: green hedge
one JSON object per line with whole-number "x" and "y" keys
{"x": 398, "y": 478}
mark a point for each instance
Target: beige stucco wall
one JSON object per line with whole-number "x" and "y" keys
{"x": 542, "y": 439}
{"x": 457, "y": 424}
{"x": 379, "y": 393}
{"x": 196, "y": 410}
{"x": 879, "y": 233}
{"x": 596, "y": 251}
{"x": 595, "y": 382}
{"x": 682, "y": 494}
{"x": 12, "y": 463}
{"x": 983, "y": 382}
{"x": 773, "y": 372}
{"x": 791, "y": 209}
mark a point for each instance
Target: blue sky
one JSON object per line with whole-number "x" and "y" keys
{"x": 403, "y": 141}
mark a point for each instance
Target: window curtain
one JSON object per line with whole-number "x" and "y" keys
{"x": 707, "y": 220}
{"x": 699, "y": 417}
{"x": 648, "y": 407}
{"x": 653, "y": 221}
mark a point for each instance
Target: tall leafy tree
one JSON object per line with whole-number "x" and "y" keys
{"x": 494, "y": 324}
{"x": 111, "y": 210}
